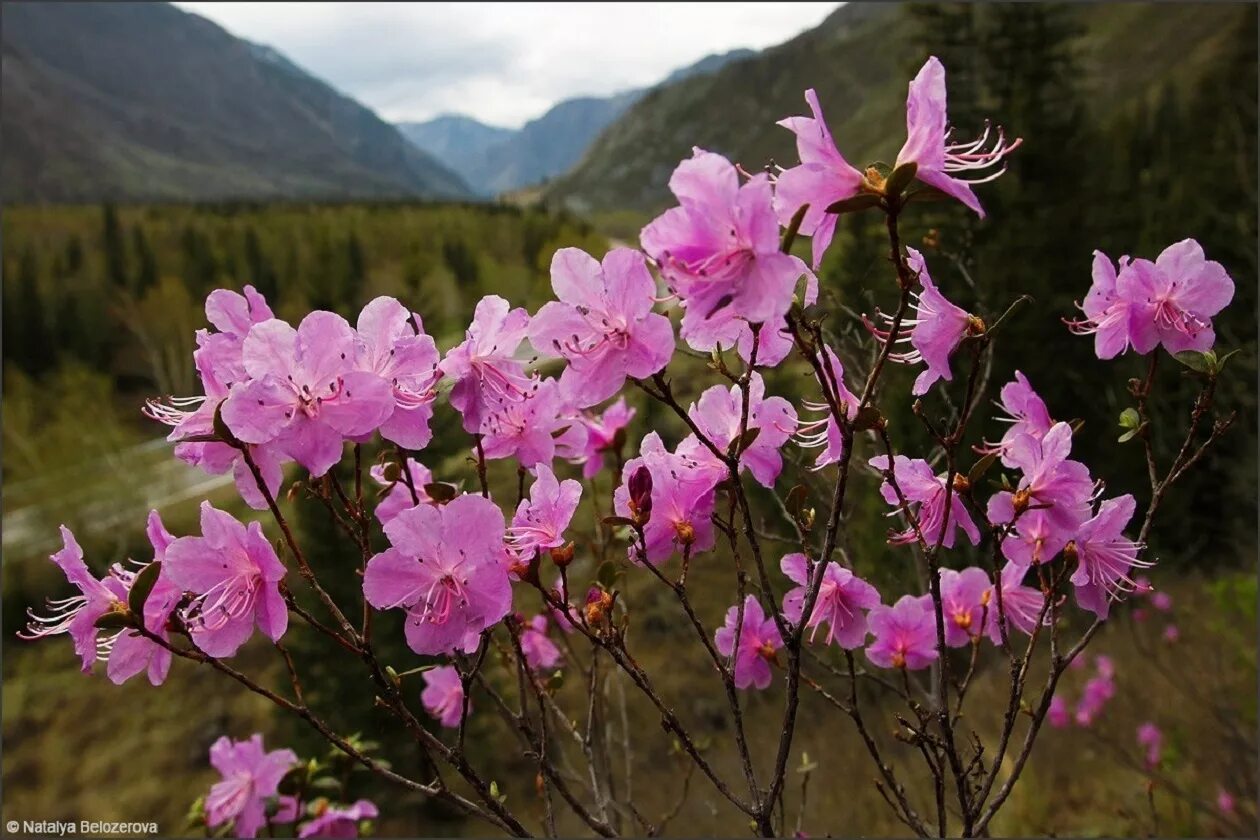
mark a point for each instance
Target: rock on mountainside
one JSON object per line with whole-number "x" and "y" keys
{"x": 142, "y": 101}
{"x": 495, "y": 160}
{"x": 859, "y": 59}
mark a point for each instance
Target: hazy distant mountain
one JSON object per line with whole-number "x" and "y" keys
{"x": 131, "y": 101}
{"x": 494, "y": 160}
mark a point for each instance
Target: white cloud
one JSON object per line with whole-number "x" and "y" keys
{"x": 503, "y": 63}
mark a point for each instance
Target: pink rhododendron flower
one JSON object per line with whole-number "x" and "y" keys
{"x": 602, "y": 324}
{"x": 339, "y": 822}
{"x": 1021, "y": 605}
{"x": 540, "y": 652}
{"x": 681, "y": 496}
{"x": 235, "y": 574}
{"x": 445, "y": 569}
{"x": 1057, "y": 714}
{"x": 965, "y": 604}
{"x": 131, "y": 652}
{"x": 540, "y": 520}
{"x": 927, "y": 490}
{"x": 1060, "y": 488}
{"x": 1172, "y": 300}
{"x": 824, "y": 432}
{"x": 935, "y": 330}
{"x": 1098, "y": 692}
{"x": 1161, "y": 601}
{"x": 842, "y": 602}
{"x": 1172, "y": 634}
{"x": 1104, "y": 558}
{"x": 533, "y": 426}
{"x": 399, "y": 494}
{"x": 77, "y": 615}
{"x": 443, "y": 695}
{"x": 305, "y": 394}
{"x": 250, "y": 777}
{"x": 484, "y": 367}
{"x": 1106, "y": 312}
{"x": 941, "y": 164}
{"x": 822, "y": 178}
{"x": 758, "y": 640}
{"x": 719, "y": 250}
{"x": 1225, "y": 802}
{"x": 1152, "y": 740}
{"x": 604, "y": 433}
{"x": 905, "y": 635}
{"x": 396, "y": 348}
{"x": 718, "y": 415}
{"x": 1026, "y": 413}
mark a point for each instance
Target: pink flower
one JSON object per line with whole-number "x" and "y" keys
{"x": 1026, "y": 413}
{"x": 484, "y": 367}
{"x": 1059, "y": 488}
{"x": 842, "y": 601}
{"x": 920, "y": 485}
{"x": 250, "y": 777}
{"x": 1149, "y": 737}
{"x": 1021, "y": 605}
{"x": 396, "y": 348}
{"x": 540, "y": 652}
{"x": 1057, "y": 714}
{"x": 443, "y": 695}
{"x": 681, "y": 501}
{"x": 1104, "y": 558}
{"x": 77, "y": 615}
{"x": 824, "y": 432}
{"x": 131, "y": 652}
{"x": 822, "y": 178}
{"x": 965, "y": 604}
{"x": 1172, "y": 300}
{"x": 1225, "y": 802}
{"x": 1161, "y": 601}
{"x": 719, "y": 250}
{"x": 935, "y": 330}
{"x": 1172, "y": 634}
{"x": 445, "y": 569}
{"x": 718, "y": 415}
{"x": 1098, "y": 692}
{"x": 530, "y": 427}
{"x": 758, "y": 640}
{"x": 941, "y": 164}
{"x": 340, "y": 822}
{"x": 1106, "y": 312}
{"x": 603, "y": 324}
{"x": 398, "y": 494}
{"x": 304, "y": 393}
{"x": 905, "y": 635}
{"x": 235, "y": 575}
{"x": 540, "y": 520}
{"x": 604, "y": 433}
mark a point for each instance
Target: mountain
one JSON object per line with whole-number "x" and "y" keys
{"x": 495, "y": 160}
{"x": 859, "y": 59}
{"x": 143, "y": 101}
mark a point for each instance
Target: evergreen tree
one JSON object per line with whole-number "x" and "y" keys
{"x": 114, "y": 247}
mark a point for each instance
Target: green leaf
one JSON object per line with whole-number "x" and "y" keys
{"x": 979, "y": 468}
{"x": 618, "y": 521}
{"x": 1130, "y": 419}
{"x": 868, "y": 418}
{"x": 856, "y": 204}
{"x": 926, "y": 193}
{"x": 440, "y": 492}
{"x": 900, "y": 178}
{"x": 1196, "y": 360}
{"x": 141, "y": 586}
{"x": 740, "y": 445}
{"x": 796, "y": 499}
{"x": 1220, "y": 363}
{"x": 221, "y": 428}
{"x": 1128, "y": 436}
{"x": 113, "y": 620}
{"x": 607, "y": 574}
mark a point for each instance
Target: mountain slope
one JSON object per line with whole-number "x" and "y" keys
{"x": 859, "y": 60}
{"x": 458, "y": 141}
{"x": 135, "y": 101}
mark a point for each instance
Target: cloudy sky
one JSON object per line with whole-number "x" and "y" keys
{"x": 503, "y": 63}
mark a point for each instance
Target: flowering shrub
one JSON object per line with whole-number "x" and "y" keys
{"x": 466, "y": 577}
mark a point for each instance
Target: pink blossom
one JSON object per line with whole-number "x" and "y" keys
{"x": 1150, "y": 738}
{"x": 822, "y": 178}
{"x": 396, "y": 348}
{"x": 1026, "y": 413}
{"x": 681, "y": 501}
{"x": 1057, "y": 714}
{"x": 602, "y": 324}
{"x": 935, "y": 330}
{"x": 235, "y": 575}
{"x": 1107, "y": 314}
{"x": 942, "y": 164}
{"x": 398, "y": 494}
{"x": 1172, "y": 634}
{"x": 604, "y": 433}
{"x": 758, "y": 640}
{"x": 719, "y": 250}
{"x": 540, "y": 652}
{"x": 132, "y": 653}
{"x": 1161, "y": 601}
{"x": 1021, "y": 605}
{"x": 339, "y": 822}
{"x": 250, "y": 777}
{"x": 304, "y": 393}
{"x": 1059, "y": 488}
{"x": 928, "y": 491}
{"x": 1225, "y": 802}
{"x": 445, "y": 569}
{"x": 905, "y": 635}
{"x": 842, "y": 602}
{"x": 530, "y": 427}
{"x": 1098, "y": 692}
{"x": 1172, "y": 300}
{"x": 443, "y": 695}
{"x": 719, "y": 414}
{"x": 484, "y": 366}
{"x": 1104, "y": 558}
{"x": 965, "y": 604}
{"x": 541, "y": 519}
{"x": 824, "y": 432}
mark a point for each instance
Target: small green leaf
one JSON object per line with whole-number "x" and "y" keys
{"x": 142, "y": 585}
{"x": 1220, "y": 363}
{"x": 856, "y": 204}
{"x": 796, "y": 499}
{"x": 1130, "y": 419}
{"x": 900, "y": 178}
{"x": 979, "y": 468}
{"x": 113, "y": 620}
{"x": 1196, "y": 360}
{"x": 740, "y": 445}
{"x": 440, "y": 492}
{"x": 607, "y": 574}
{"x": 868, "y": 418}
{"x": 1128, "y": 436}
{"x": 618, "y": 521}
{"x": 392, "y": 471}
{"x": 221, "y": 428}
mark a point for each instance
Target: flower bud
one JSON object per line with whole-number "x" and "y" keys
{"x": 1020, "y": 500}
{"x": 975, "y": 325}
{"x": 686, "y": 533}
{"x": 562, "y": 555}
{"x": 640, "y": 486}
{"x": 1070, "y": 553}
{"x": 961, "y": 483}
{"x": 598, "y": 604}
